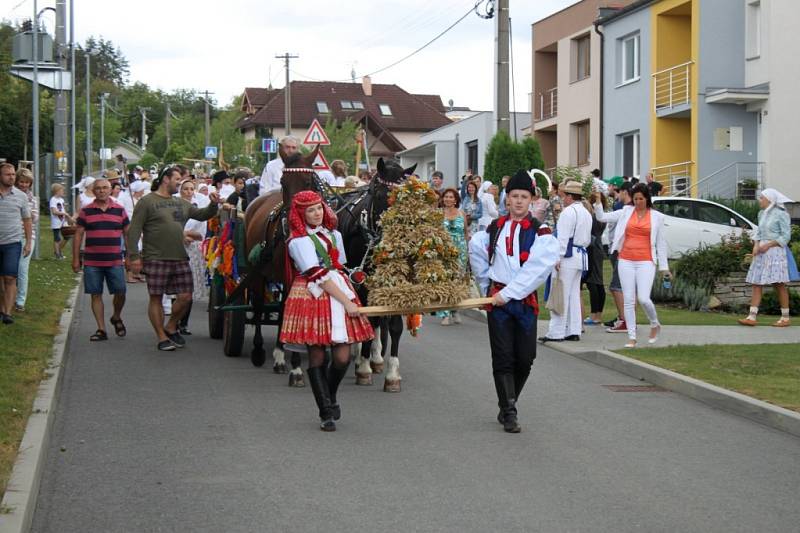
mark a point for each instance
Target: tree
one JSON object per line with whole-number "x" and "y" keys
{"x": 504, "y": 157}
{"x": 343, "y": 142}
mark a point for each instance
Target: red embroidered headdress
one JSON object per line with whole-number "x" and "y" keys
{"x": 297, "y": 214}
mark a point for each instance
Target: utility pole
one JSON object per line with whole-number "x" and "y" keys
{"x": 143, "y": 111}
{"x": 35, "y": 104}
{"x": 208, "y": 120}
{"x": 501, "y": 68}
{"x": 60, "y": 114}
{"x": 287, "y": 92}
{"x": 167, "y": 119}
{"x": 72, "y": 118}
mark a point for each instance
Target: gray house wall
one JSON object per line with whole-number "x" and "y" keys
{"x": 456, "y": 136}
{"x": 626, "y": 108}
{"x": 722, "y": 29}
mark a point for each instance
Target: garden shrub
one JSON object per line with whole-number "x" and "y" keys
{"x": 770, "y": 306}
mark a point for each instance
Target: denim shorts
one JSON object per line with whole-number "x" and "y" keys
{"x": 9, "y": 259}
{"x": 615, "y": 284}
{"x": 57, "y": 235}
{"x": 114, "y": 277}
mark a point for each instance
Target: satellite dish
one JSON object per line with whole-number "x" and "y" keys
{"x": 450, "y": 103}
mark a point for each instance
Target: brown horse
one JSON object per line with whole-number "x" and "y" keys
{"x": 265, "y": 224}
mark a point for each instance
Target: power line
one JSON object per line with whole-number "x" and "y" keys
{"x": 408, "y": 56}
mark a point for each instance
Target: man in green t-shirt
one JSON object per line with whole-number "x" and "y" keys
{"x": 159, "y": 218}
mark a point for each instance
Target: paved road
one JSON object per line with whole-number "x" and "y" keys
{"x": 194, "y": 441}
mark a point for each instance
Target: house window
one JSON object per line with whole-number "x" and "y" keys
{"x": 629, "y": 145}
{"x": 346, "y": 104}
{"x": 580, "y": 55}
{"x": 753, "y": 29}
{"x": 385, "y": 110}
{"x": 322, "y": 107}
{"x": 358, "y": 105}
{"x": 581, "y": 143}
{"x": 630, "y": 59}
{"x": 472, "y": 156}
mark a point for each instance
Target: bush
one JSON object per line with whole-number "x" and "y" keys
{"x": 705, "y": 265}
{"x": 504, "y": 157}
{"x": 693, "y": 297}
{"x": 770, "y": 305}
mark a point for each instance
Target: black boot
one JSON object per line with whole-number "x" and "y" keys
{"x": 504, "y": 385}
{"x": 319, "y": 384}
{"x": 335, "y": 376}
{"x": 519, "y": 382}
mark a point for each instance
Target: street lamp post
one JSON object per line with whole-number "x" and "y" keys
{"x": 88, "y": 114}
{"x": 103, "y": 97}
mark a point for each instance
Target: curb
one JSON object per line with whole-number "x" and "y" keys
{"x": 22, "y": 490}
{"x": 733, "y": 402}
{"x": 726, "y": 400}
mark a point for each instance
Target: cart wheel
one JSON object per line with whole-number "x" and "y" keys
{"x": 234, "y": 332}
{"x": 216, "y": 297}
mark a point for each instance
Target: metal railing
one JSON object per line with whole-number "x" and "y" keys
{"x": 672, "y": 86}
{"x": 548, "y": 104}
{"x": 676, "y": 178}
{"x": 736, "y": 180}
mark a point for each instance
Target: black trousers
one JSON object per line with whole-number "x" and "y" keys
{"x": 512, "y": 338}
{"x": 597, "y": 297}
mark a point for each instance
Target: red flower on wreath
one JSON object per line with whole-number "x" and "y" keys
{"x": 501, "y": 221}
{"x": 525, "y": 223}
{"x": 523, "y": 256}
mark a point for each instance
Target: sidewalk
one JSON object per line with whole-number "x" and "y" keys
{"x": 596, "y": 338}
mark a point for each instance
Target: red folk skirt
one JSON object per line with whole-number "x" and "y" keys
{"x": 307, "y": 320}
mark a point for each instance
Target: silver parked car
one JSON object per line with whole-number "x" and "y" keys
{"x": 691, "y": 222}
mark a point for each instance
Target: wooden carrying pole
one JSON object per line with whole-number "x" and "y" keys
{"x": 384, "y": 310}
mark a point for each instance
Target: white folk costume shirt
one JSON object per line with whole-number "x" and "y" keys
{"x": 519, "y": 281}
{"x": 271, "y": 177}
{"x": 575, "y": 223}
{"x": 304, "y": 255}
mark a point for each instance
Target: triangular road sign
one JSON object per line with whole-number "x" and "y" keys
{"x": 316, "y": 135}
{"x": 320, "y": 163}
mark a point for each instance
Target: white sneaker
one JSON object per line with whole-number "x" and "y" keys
{"x": 446, "y": 321}
{"x": 456, "y": 318}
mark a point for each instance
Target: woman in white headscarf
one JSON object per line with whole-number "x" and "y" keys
{"x": 770, "y": 264}
{"x": 488, "y": 204}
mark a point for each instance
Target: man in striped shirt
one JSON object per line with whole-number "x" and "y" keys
{"x": 103, "y": 222}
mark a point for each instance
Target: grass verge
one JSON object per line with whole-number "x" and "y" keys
{"x": 769, "y": 372}
{"x": 27, "y": 345}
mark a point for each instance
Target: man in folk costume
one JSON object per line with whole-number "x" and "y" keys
{"x": 322, "y": 307}
{"x": 510, "y": 260}
{"x": 574, "y": 233}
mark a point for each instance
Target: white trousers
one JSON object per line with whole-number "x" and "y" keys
{"x": 636, "y": 278}
{"x": 569, "y": 323}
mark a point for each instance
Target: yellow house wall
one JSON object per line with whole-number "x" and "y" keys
{"x": 676, "y": 40}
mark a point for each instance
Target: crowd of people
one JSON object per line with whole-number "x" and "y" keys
{"x": 513, "y": 239}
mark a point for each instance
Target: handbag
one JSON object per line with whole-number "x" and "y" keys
{"x": 794, "y": 275}
{"x": 555, "y": 300}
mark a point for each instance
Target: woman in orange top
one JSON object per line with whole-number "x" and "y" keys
{"x": 639, "y": 238}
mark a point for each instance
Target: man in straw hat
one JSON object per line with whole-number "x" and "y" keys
{"x": 574, "y": 233}
{"x": 510, "y": 259}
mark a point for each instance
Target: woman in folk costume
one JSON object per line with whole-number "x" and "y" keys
{"x": 322, "y": 307}
{"x": 773, "y": 262}
{"x": 510, "y": 260}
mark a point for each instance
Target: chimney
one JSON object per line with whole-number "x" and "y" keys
{"x": 366, "y": 85}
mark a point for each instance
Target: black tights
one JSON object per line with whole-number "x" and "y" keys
{"x": 341, "y": 355}
{"x": 597, "y": 297}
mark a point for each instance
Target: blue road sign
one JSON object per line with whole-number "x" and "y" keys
{"x": 269, "y": 145}
{"x": 211, "y": 152}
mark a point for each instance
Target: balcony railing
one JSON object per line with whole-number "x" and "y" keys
{"x": 736, "y": 180}
{"x": 676, "y": 178}
{"x": 672, "y": 86}
{"x": 547, "y": 105}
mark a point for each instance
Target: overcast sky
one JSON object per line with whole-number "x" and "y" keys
{"x": 225, "y": 46}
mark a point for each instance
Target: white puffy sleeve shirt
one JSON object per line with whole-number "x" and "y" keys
{"x": 519, "y": 281}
